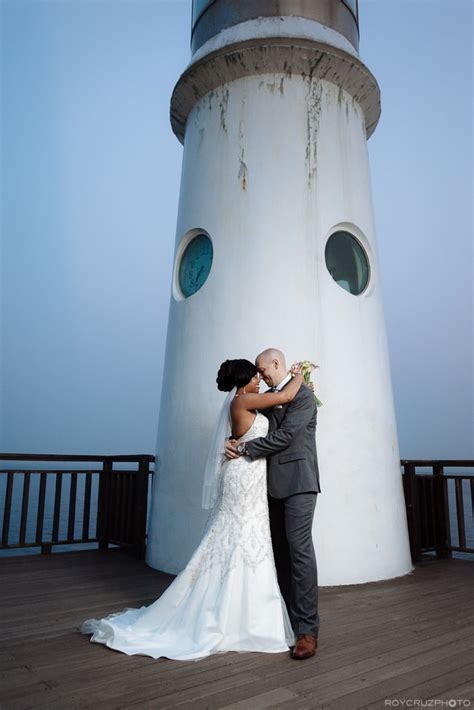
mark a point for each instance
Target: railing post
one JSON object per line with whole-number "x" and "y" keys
{"x": 7, "y": 509}
{"x": 140, "y": 508}
{"x": 103, "y": 505}
{"x": 413, "y": 510}
{"x": 443, "y": 534}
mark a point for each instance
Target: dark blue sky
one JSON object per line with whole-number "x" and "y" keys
{"x": 91, "y": 172}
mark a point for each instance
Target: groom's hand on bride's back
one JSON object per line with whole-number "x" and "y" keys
{"x": 231, "y": 449}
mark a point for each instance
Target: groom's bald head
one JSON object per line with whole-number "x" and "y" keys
{"x": 271, "y": 365}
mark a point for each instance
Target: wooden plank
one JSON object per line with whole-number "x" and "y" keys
{"x": 270, "y": 699}
{"x": 406, "y": 632}
{"x": 57, "y": 506}
{"x": 460, "y": 514}
{"x": 419, "y": 608}
{"x": 413, "y": 509}
{"x": 441, "y": 686}
{"x": 140, "y": 510}
{"x": 111, "y": 493}
{"x": 118, "y": 689}
{"x": 447, "y": 514}
{"x": 7, "y": 509}
{"x": 130, "y": 507}
{"x": 164, "y": 674}
{"x": 249, "y": 691}
{"x": 419, "y": 685}
{"x": 33, "y": 605}
{"x": 431, "y": 512}
{"x": 40, "y": 511}
{"x": 9, "y": 662}
{"x": 16, "y": 677}
{"x": 326, "y": 678}
{"x": 72, "y": 507}
{"x": 87, "y": 506}
{"x": 406, "y": 670}
{"x": 29, "y": 697}
{"x": 472, "y": 496}
{"x": 464, "y": 692}
{"x": 24, "y": 507}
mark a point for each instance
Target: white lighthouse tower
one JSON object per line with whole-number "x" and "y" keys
{"x": 276, "y": 247}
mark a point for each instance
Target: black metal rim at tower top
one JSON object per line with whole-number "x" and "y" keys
{"x": 210, "y": 17}
{"x": 353, "y": 6}
{"x": 200, "y": 6}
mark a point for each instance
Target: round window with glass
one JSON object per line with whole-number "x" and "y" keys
{"x": 195, "y": 264}
{"x": 347, "y": 262}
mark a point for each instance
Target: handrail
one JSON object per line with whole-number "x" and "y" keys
{"x": 119, "y": 497}
{"x": 76, "y": 457}
{"x": 430, "y": 498}
{"x": 113, "y": 501}
{"x": 450, "y": 463}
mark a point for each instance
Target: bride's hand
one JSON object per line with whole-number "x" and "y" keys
{"x": 296, "y": 369}
{"x": 230, "y": 449}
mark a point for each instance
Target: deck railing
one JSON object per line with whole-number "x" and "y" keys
{"x": 109, "y": 505}
{"x": 437, "y": 505}
{"x": 104, "y": 505}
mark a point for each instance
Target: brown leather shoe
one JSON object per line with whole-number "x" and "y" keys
{"x": 306, "y": 645}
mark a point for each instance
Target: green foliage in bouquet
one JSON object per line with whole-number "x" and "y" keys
{"x": 305, "y": 368}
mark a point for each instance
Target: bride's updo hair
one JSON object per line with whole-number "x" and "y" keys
{"x": 235, "y": 373}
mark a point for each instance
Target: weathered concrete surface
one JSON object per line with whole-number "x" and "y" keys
{"x": 281, "y": 56}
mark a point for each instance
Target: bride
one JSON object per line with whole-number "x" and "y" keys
{"x": 227, "y": 597}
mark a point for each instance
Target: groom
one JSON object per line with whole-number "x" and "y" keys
{"x": 293, "y": 484}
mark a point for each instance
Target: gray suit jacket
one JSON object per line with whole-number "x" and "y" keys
{"x": 290, "y": 447}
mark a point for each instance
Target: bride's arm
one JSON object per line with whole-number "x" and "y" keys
{"x": 271, "y": 399}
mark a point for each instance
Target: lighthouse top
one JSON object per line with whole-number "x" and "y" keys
{"x": 212, "y": 16}
{"x": 310, "y": 39}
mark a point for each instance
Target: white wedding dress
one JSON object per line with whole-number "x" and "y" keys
{"x": 227, "y": 597}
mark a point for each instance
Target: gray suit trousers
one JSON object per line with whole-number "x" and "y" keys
{"x": 291, "y": 522}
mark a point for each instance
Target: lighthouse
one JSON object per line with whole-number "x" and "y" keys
{"x": 276, "y": 247}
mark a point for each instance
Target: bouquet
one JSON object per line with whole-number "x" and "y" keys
{"x": 305, "y": 368}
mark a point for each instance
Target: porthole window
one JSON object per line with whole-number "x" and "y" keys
{"x": 347, "y": 262}
{"x": 195, "y": 264}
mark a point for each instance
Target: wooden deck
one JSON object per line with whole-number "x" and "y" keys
{"x": 408, "y": 638}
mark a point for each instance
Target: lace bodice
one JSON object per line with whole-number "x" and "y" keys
{"x": 238, "y": 526}
{"x": 258, "y": 428}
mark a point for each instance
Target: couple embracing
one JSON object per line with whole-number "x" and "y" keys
{"x": 251, "y": 584}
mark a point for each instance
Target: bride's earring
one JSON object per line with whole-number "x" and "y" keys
{"x": 244, "y": 391}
